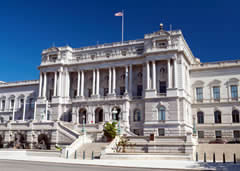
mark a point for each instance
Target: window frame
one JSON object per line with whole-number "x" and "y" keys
{"x": 201, "y": 133}
{"x": 235, "y": 116}
{"x": 234, "y": 92}
{"x": 199, "y": 94}
{"x": 200, "y": 121}
{"x": 216, "y": 119}
{"x": 220, "y": 134}
{"x": 216, "y": 94}
{"x": 137, "y": 115}
{"x": 161, "y": 113}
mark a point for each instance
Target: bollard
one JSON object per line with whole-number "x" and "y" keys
{"x": 83, "y": 155}
{"x": 75, "y": 155}
{"x": 196, "y": 156}
{"x": 67, "y": 154}
{"x": 234, "y": 158}
{"x": 92, "y": 155}
{"x": 204, "y": 158}
{"x": 224, "y": 160}
{"x": 214, "y": 160}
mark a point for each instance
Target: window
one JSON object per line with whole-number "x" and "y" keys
{"x": 218, "y": 134}
{"x": 105, "y": 91}
{"x": 122, "y": 90}
{"x": 236, "y": 134}
{"x": 199, "y": 93}
{"x": 161, "y": 132}
{"x": 31, "y": 104}
{"x": 235, "y": 116}
{"x": 217, "y": 117}
{"x": 234, "y": 92}
{"x": 3, "y": 105}
{"x": 137, "y": 115}
{"x": 21, "y": 103}
{"x": 216, "y": 93}
{"x": 163, "y": 86}
{"x": 89, "y": 92}
{"x": 200, "y": 117}
{"x": 139, "y": 90}
{"x": 12, "y": 103}
{"x": 161, "y": 114}
{"x": 200, "y": 134}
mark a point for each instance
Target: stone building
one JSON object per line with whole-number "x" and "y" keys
{"x": 154, "y": 85}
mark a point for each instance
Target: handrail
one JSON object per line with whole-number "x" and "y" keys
{"x": 72, "y": 132}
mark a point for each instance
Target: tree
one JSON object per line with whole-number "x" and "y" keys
{"x": 110, "y": 130}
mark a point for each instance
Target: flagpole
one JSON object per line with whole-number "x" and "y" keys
{"x": 122, "y": 25}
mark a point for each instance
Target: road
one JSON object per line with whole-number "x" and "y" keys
{"x": 13, "y": 165}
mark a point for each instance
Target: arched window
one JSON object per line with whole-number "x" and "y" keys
{"x": 200, "y": 117}
{"x": 235, "y": 116}
{"x": 137, "y": 115}
{"x": 217, "y": 117}
{"x": 161, "y": 113}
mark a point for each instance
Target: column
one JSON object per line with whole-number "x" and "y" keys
{"x": 24, "y": 109}
{"x": 110, "y": 81}
{"x": 68, "y": 84}
{"x": 55, "y": 84}
{"x": 93, "y": 83}
{"x": 175, "y": 74}
{"x": 40, "y": 86}
{"x": 126, "y": 80}
{"x": 14, "y": 106}
{"x": 82, "y": 84}
{"x": 169, "y": 74}
{"x": 78, "y": 84}
{"x": 130, "y": 80}
{"x": 154, "y": 74}
{"x": 97, "y": 83}
{"x": 148, "y": 75}
{"x": 45, "y": 85}
{"x": 114, "y": 81}
{"x": 35, "y": 110}
{"x": 59, "y": 83}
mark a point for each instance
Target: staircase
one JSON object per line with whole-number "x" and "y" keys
{"x": 96, "y": 147}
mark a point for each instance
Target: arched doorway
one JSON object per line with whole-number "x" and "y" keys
{"x": 43, "y": 142}
{"x": 82, "y": 116}
{"x": 98, "y": 115}
{"x": 19, "y": 141}
{"x": 116, "y": 113}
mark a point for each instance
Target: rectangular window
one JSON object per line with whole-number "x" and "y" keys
{"x": 122, "y": 91}
{"x": 3, "y": 105}
{"x": 139, "y": 90}
{"x": 200, "y": 134}
{"x": 163, "y": 86}
{"x": 199, "y": 93}
{"x": 234, "y": 92}
{"x": 216, "y": 93}
{"x": 161, "y": 132}
{"x": 236, "y": 134}
{"x": 31, "y": 104}
{"x": 21, "y": 103}
{"x": 218, "y": 134}
{"x": 105, "y": 91}
{"x": 89, "y": 92}
{"x": 12, "y": 103}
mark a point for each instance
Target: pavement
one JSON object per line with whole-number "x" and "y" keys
{"x": 153, "y": 164}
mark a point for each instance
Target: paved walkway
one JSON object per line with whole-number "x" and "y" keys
{"x": 163, "y": 164}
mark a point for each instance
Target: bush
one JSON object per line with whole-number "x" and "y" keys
{"x": 110, "y": 130}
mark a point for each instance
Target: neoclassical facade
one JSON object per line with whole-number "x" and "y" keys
{"x": 154, "y": 85}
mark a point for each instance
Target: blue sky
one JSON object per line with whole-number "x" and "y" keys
{"x": 211, "y": 28}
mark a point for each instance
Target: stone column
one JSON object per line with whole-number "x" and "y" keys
{"x": 68, "y": 84}
{"x": 154, "y": 74}
{"x": 114, "y": 81}
{"x": 169, "y": 74}
{"x": 78, "y": 84}
{"x": 24, "y": 109}
{"x": 35, "y": 110}
{"x": 110, "y": 81}
{"x": 175, "y": 74}
{"x": 126, "y": 80}
{"x": 97, "y": 82}
{"x": 60, "y": 84}
{"x": 93, "y": 83}
{"x": 130, "y": 80}
{"x": 45, "y": 85}
{"x": 148, "y": 75}
{"x": 82, "y": 84}
{"x": 40, "y": 86}
{"x": 55, "y": 84}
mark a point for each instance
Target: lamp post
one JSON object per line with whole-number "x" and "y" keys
{"x": 119, "y": 124}
{"x": 83, "y": 128}
{"x": 114, "y": 112}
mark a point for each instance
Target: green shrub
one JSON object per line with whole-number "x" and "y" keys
{"x": 110, "y": 130}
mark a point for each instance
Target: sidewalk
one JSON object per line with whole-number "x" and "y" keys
{"x": 154, "y": 164}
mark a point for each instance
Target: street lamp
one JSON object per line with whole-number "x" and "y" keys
{"x": 83, "y": 128}
{"x": 114, "y": 112}
{"x": 119, "y": 124}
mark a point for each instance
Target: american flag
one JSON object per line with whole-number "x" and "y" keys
{"x": 119, "y": 14}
